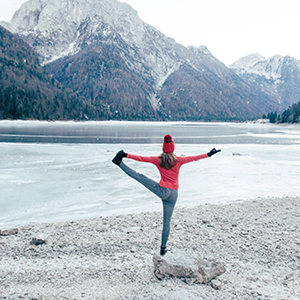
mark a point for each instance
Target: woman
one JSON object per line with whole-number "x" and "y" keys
{"x": 168, "y": 165}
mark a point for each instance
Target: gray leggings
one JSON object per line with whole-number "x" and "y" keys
{"x": 168, "y": 197}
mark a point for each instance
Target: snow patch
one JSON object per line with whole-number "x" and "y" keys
{"x": 154, "y": 100}
{"x": 72, "y": 50}
{"x": 256, "y": 64}
{"x": 161, "y": 80}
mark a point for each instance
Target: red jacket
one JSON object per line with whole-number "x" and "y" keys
{"x": 169, "y": 178}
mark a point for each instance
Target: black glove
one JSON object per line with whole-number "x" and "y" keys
{"x": 213, "y": 151}
{"x": 118, "y": 158}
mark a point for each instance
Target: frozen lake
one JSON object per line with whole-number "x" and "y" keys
{"x": 63, "y": 170}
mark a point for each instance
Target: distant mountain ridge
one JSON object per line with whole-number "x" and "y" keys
{"x": 120, "y": 64}
{"x": 277, "y": 76}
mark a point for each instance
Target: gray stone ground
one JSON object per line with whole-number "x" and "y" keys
{"x": 112, "y": 258}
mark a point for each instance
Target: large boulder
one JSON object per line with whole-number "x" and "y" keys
{"x": 187, "y": 266}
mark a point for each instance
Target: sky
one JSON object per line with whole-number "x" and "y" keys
{"x": 230, "y": 29}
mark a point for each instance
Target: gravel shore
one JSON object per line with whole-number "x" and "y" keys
{"x": 111, "y": 258}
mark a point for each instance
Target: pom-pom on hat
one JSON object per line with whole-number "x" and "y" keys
{"x": 168, "y": 145}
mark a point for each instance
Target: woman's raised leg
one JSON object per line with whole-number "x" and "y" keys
{"x": 150, "y": 184}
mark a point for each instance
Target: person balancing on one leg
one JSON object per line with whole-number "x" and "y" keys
{"x": 168, "y": 165}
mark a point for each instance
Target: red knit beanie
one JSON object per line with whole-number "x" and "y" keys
{"x": 168, "y": 145}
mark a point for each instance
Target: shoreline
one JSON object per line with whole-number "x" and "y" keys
{"x": 111, "y": 257}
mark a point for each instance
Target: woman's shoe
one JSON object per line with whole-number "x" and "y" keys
{"x": 163, "y": 251}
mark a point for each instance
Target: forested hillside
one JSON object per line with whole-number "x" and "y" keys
{"x": 28, "y": 92}
{"x": 291, "y": 115}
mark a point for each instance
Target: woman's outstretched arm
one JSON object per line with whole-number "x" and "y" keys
{"x": 147, "y": 159}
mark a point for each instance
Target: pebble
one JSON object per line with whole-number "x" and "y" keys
{"x": 216, "y": 284}
{"x": 9, "y": 231}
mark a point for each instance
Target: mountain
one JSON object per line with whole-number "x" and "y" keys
{"x": 125, "y": 67}
{"x": 109, "y": 72}
{"x": 28, "y": 92}
{"x": 277, "y": 77}
{"x": 247, "y": 62}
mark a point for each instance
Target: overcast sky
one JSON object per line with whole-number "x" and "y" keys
{"x": 230, "y": 29}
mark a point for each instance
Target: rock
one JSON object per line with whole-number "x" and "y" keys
{"x": 162, "y": 269}
{"x": 186, "y": 266}
{"x": 289, "y": 276}
{"x": 134, "y": 230}
{"x": 205, "y": 221}
{"x": 178, "y": 227}
{"x": 216, "y": 284}
{"x": 37, "y": 242}
{"x": 9, "y": 231}
{"x": 210, "y": 269}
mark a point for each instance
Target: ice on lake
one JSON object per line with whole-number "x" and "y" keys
{"x": 49, "y": 182}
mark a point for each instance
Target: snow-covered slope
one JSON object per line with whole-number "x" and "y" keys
{"x": 277, "y": 76}
{"x": 271, "y": 68}
{"x": 60, "y": 20}
{"x": 52, "y": 27}
{"x": 248, "y": 61}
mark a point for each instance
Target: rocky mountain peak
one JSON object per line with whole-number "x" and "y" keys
{"x": 247, "y": 61}
{"x": 54, "y": 29}
{"x": 270, "y": 68}
{"x": 51, "y": 26}
{"x": 202, "y": 53}
{"x": 42, "y": 13}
